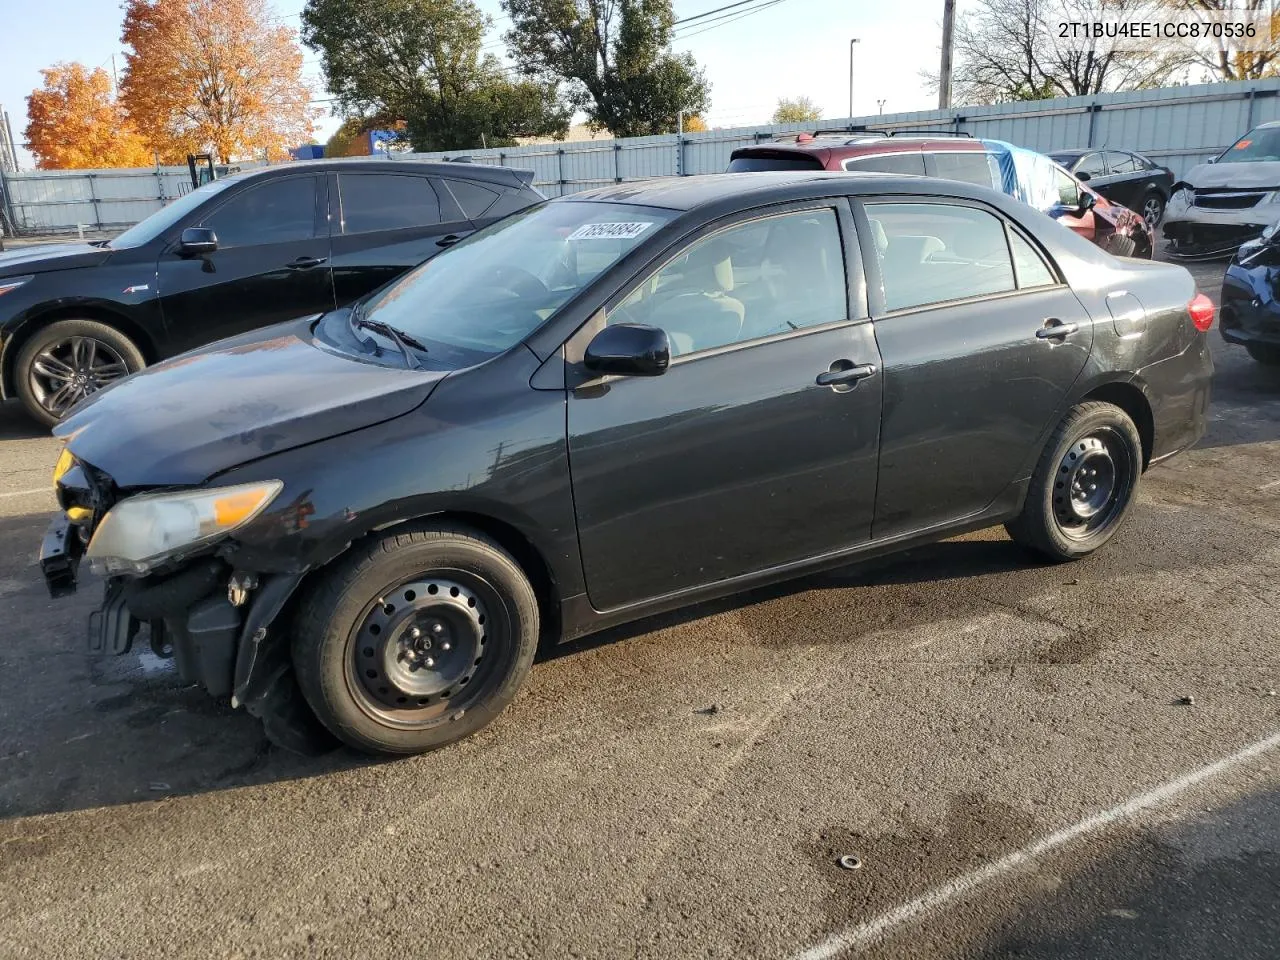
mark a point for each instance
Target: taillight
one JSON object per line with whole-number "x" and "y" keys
{"x": 1201, "y": 310}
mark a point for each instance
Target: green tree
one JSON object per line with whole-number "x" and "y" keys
{"x": 420, "y": 61}
{"x": 799, "y": 110}
{"x": 616, "y": 58}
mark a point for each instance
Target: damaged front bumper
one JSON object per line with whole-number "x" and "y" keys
{"x": 210, "y": 619}
{"x": 1250, "y": 311}
{"x": 1200, "y": 233}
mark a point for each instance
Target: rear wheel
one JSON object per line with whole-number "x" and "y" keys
{"x": 67, "y": 361}
{"x": 1084, "y": 484}
{"x": 416, "y": 640}
{"x": 1119, "y": 246}
{"x": 1264, "y": 353}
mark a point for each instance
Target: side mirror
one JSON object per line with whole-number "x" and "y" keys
{"x": 1087, "y": 202}
{"x": 629, "y": 349}
{"x": 1212, "y": 160}
{"x": 1083, "y": 175}
{"x": 198, "y": 240}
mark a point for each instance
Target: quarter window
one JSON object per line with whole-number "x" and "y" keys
{"x": 279, "y": 211}
{"x": 473, "y": 198}
{"x": 933, "y": 253}
{"x": 386, "y": 201}
{"x": 756, "y": 279}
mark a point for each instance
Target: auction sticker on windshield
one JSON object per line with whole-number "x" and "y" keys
{"x": 610, "y": 231}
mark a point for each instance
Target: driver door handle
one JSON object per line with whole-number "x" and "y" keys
{"x": 448, "y": 241}
{"x": 305, "y": 263}
{"x": 1055, "y": 329}
{"x": 843, "y": 373}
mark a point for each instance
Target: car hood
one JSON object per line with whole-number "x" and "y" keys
{"x": 1264, "y": 174}
{"x": 43, "y": 257}
{"x": 234, "y": 401}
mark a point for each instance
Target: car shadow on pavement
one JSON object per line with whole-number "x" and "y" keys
{"x": 16, "y": 424}
{"x": 1204, "y": 887}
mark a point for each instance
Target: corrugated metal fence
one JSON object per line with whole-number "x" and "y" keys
{"x": 1176, "y": 126}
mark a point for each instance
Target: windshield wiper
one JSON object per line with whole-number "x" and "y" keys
{"x": 399, "y": 337}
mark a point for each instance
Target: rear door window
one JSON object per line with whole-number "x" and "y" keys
{"x": 1124, "y": 163}
{"x": 777, "y": 161}
{"x": 1092, "y": 164}
{"x": 908, "y": 162}
{"x": 935, "y": 252}
{"x": 968, "y": 166}
{"x": 386, "y": 201}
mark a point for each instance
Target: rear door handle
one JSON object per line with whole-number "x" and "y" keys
{"x": 305, "y": 263}
{"x": 1055, "y": 329}
{"x": 448, "y": 241}
{"x": 843, "y": 373}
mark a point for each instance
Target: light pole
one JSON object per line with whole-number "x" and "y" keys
{"x": 851, "y": 43}
{"x": 880, "y": 104}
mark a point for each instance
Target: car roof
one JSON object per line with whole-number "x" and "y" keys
{"x": 439, "y": 168}
{"x": 687, "y": 193}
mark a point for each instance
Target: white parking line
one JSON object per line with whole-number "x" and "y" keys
{"x": 27, "y": 493}
{"x": 864, "y": 934}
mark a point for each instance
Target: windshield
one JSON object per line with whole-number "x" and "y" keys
{"x": 167, "y": 216}
{"x": 1256, "y": 145}
{"x": 486, "y": 294}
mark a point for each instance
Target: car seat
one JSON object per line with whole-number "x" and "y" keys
{"x": 696, "y": 311}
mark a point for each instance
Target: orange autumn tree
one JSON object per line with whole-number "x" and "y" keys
{"x": 74, "y": 122}
{"x": 219, "y": 75}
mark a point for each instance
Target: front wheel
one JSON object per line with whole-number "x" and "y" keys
{"x": 67, "y": 361}
{"x": 1265, "y": 353}
{"x": 1084, "y": 484}
{"x": 416, "y": 639}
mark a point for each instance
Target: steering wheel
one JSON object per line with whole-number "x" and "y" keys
{"x": 519, "y": 281}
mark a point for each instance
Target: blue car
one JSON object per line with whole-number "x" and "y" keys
{"x": 1250, "y": 314}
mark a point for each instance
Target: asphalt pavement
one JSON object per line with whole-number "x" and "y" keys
{"x": 1026, "y": 760}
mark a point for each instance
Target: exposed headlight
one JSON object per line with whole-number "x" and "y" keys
{"x": 138, "y": 533}
{"x": 1270, "y": 231}
{"x": 13, "y": 283}
{"x": 1181, "y": 197}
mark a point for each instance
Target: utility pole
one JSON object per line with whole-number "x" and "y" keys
{"x": 115, "y": 82}
{"x": 851, "y": 43}
{"x": 948, "y": 41}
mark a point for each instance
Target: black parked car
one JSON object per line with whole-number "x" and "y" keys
{"x": 1123, "y": 177}
{"x": 611, "y": 405}
{"x": 249, "y": 250}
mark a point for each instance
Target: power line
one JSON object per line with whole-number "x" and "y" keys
{"x": 727, "y": 19}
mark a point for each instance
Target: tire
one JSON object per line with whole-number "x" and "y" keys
{"x": 90, "y": 353}
{"x": 1152, "y": 210}
{"x": 416, "y": 639}
{"x": 1065, "y": 517}
{"x": 1119, "y": 246}
{"x": 1265, "y": 353}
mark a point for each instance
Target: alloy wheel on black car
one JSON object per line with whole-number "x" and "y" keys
{"x": 67, "y": 361}
{"x": 1153, "y": 210}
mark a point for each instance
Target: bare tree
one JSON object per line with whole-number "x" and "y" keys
{"x": 1239, "y": 59}
{"x": 1014, "y": 50}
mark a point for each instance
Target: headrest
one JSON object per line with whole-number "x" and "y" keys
{"x": 711, "y": 264}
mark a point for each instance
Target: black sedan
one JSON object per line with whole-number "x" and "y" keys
{"x": 610, "y": 405}
{"x": 1123, "y": 177}
{"x": 238, "y": 253}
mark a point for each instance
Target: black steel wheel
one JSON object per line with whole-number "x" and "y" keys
{"x": 1153, "y": 210}
{"x": 69, "y": 360}
{"x": 416, "y": 639}
{"x": 1083, "y": 485}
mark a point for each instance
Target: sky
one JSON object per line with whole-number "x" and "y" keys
{"x": 793, "y": 48}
